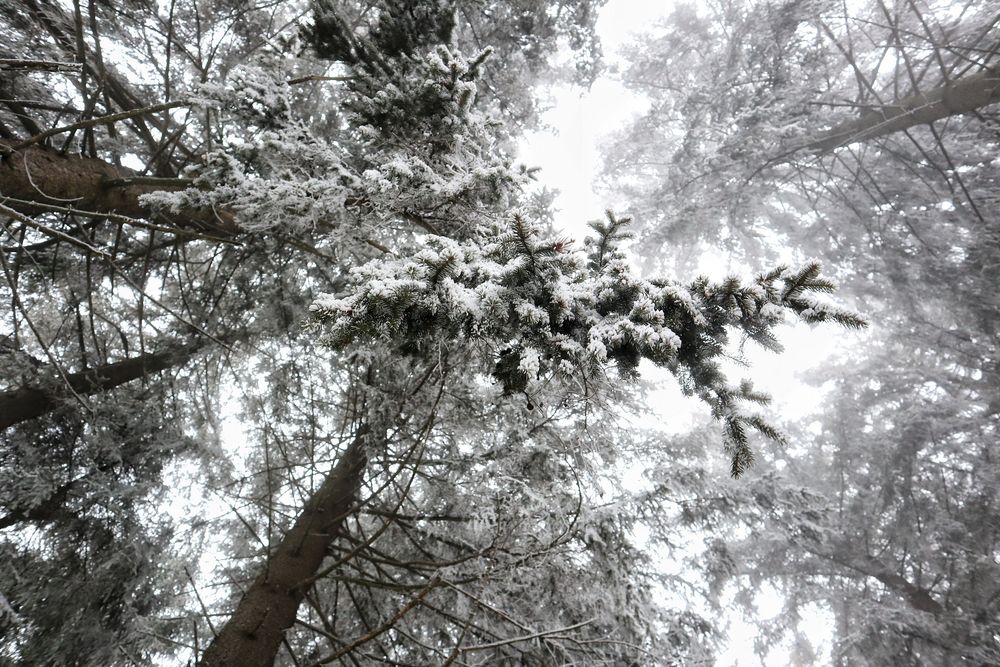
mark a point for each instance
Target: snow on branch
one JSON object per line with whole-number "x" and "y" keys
{"x": 551, "y": 311}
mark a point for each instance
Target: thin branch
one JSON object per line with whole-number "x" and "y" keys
{"x": 524, "y": 638}
{"x": 126, "y": 181}
{"x": 319, "y": 77}
{"x": 413, "y": 602}
{"x": 106, "y": 257}
{"x": 117, "y": 217}
{"x": 101, "y": 120}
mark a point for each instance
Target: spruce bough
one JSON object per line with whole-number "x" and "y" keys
{"x": 536, "y": 310}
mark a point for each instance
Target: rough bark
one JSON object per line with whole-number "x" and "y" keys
{"x": 961, "y": 96}
{"x": 253, "y": 634}
{"x": 26, "y": 403}
{"x": 42, "y": 175}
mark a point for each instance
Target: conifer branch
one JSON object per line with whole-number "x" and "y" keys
{"x": 609, "y": 235}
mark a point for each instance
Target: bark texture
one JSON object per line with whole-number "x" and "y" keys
{"x": 253, "y": 634}
{"x": 961, "y": 96}
{"x": 43, "y": 175}
{"x": 27, "y": 403}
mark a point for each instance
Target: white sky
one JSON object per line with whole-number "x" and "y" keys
{"x": 568, "y": 153}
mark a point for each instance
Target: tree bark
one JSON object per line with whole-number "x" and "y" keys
{"x": 917, "y": 597}
{"x": 43, "y": 175}
{"x": 253, "y": 634}
{"x": 27, "y": 403}
{"x": 961, "y": 96}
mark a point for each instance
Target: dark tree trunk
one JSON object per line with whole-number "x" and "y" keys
{"x": 918, "y": 598}
{"x": 253, "y": 634}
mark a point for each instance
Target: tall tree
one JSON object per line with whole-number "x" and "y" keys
{"x": 483, "y": 294}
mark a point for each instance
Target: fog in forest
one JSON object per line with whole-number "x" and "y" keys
{"x": 474, "y": 333}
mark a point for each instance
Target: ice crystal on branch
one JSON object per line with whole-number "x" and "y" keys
{"x": 553, "y": 314}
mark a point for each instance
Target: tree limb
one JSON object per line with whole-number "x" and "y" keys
{"x": 952, "y": 98}
{"x": 918, "y": 598}
{"x": 26, "y": 403}
{"x": 46, "y": 176}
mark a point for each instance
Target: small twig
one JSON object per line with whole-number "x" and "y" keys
{"x": 524, "y": 638}
{"x": 414, "y": 601}
{"x": 485, "y": 605}
{"x": 91, "y": 122}
{"x": 319, "y": 77}
{"x": 379, "y": 246}
{"x": 204, "y": 609}
{"x": 453, "y": 656}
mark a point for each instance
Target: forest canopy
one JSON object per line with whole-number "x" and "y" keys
{"x": 298, "y": 368}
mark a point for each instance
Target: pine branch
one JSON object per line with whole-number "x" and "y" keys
{"x": 437, "y": 271}
{"x": 739, "y": 446}
{"x": 807, "y": 279}
{"x": 747, "y": 393}
{"x": 765, "y": 429}
{"x": 472, "y": 70}
{"x": 520, "y": 243}
{"x": 609, "y": 235}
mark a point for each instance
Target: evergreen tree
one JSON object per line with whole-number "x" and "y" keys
{"x": 169, "y": 312}
{"x": 482, "y": 294}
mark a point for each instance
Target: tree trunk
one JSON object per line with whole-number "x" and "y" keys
{"x": 27, "y": 403}
{"x": 43, "y": 175}
{"x": 964, "y": 95}
{"x": 253, "y": 634}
